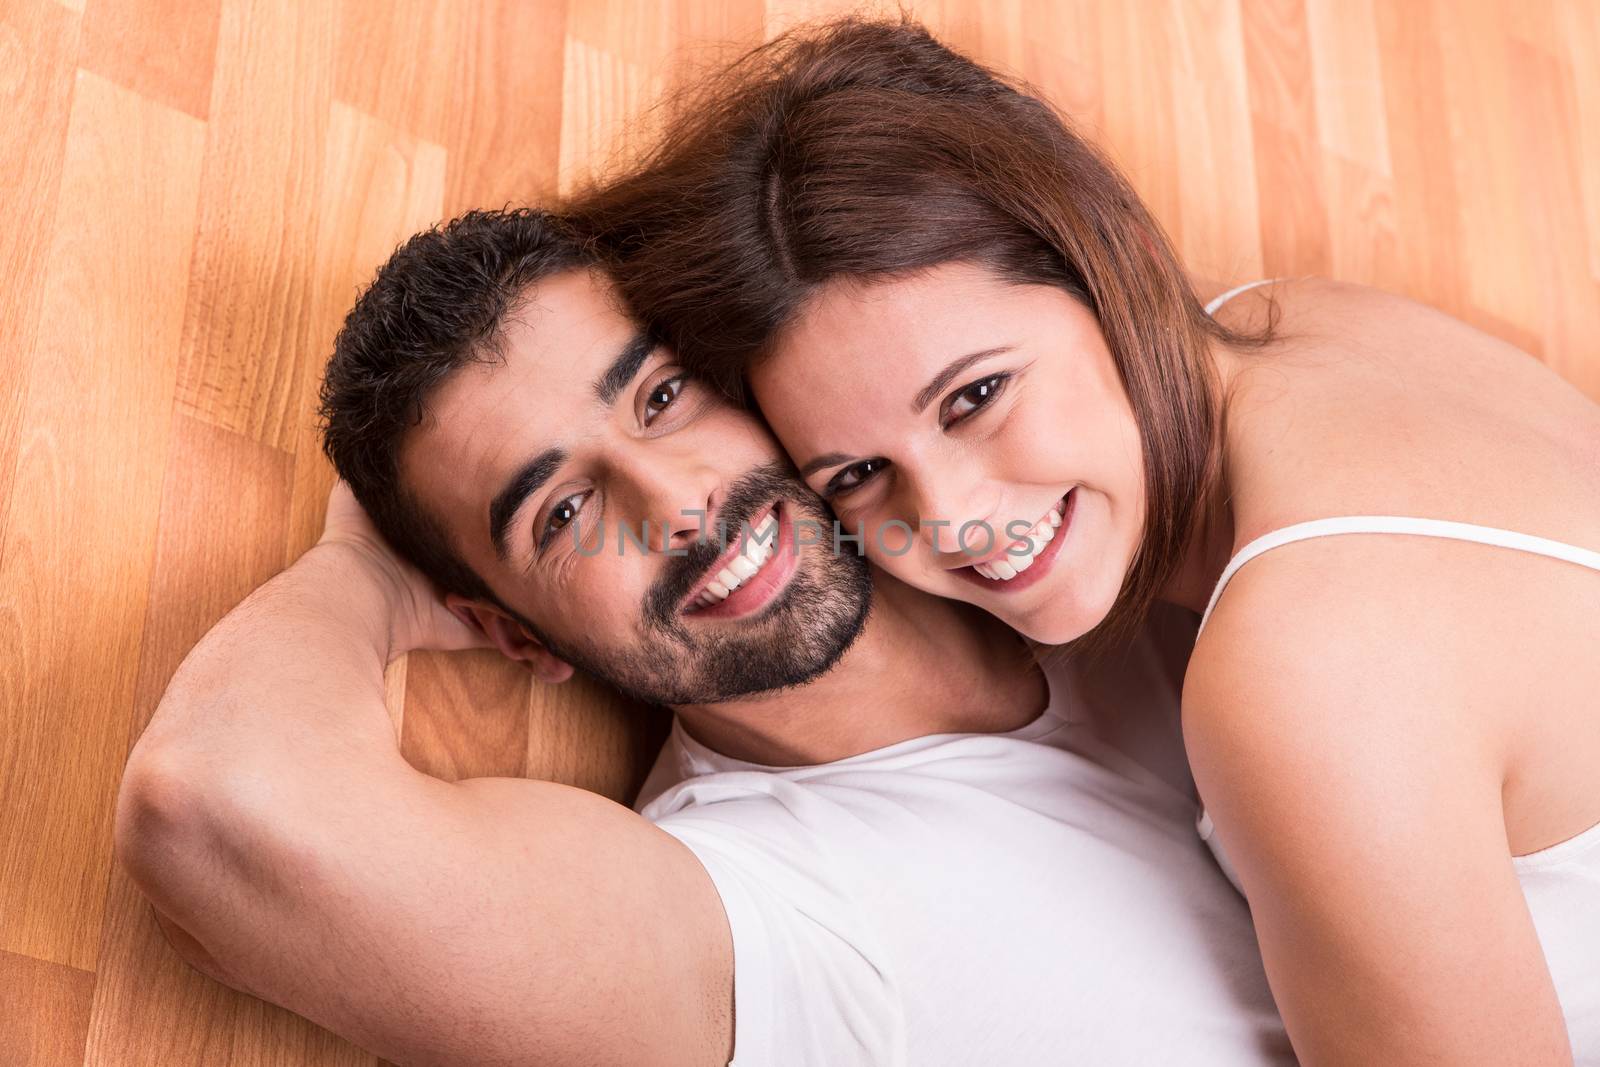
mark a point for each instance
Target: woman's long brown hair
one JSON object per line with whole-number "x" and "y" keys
{"x": 867, "y": 149}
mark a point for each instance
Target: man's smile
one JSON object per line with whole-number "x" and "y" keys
{"x": 751, "y": 573}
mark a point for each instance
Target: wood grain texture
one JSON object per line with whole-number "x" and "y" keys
{"x": 1283, "y": 115}
{"x": 253, "y": 246}
{"x": 611, "y": 754}
{"x": 44, "y": 1011}
{"x": 379, "y": 185}
{"x": 79, "y": 541}
{"x": 199, "y": 190}
{"x": 466, "y": 716}
{"x": 37, "y": 43}
{"x": 167, "y": 60}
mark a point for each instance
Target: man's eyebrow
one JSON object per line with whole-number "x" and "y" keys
{"x": 624, "y": 367}
{"x": 942, "y": 379}
{"x": 522, "y": 485}
{"x": 827, "y": 459}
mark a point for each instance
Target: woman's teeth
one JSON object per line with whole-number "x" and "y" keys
{"x": 1041, "y": 534}
{"x": 759, "y": 546}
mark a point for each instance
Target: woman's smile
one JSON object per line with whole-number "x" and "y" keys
{"x": 1026, "y": 560}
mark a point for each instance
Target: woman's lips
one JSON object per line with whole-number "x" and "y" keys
{"x": 1042, "y": 561}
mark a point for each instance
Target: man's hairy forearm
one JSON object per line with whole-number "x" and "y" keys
{"x": 294, "y": 673}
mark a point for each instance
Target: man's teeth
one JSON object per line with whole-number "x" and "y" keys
{"x": 757, "y": 549}
{"x": 1012, "y": 564}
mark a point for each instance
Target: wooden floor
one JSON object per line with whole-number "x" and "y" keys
{"x": 197, "y": 190}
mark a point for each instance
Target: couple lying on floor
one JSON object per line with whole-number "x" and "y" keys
{"x": 871, "y": 425}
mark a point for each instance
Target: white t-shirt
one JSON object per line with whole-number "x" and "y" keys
{"x": 1031, "y": 897}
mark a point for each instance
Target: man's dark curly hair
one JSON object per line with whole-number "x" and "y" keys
{"x": 438, "y": 304}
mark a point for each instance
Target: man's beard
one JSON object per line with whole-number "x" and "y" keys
{"x": 800, "y": 635}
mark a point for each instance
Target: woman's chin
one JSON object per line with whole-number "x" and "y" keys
{"x": 1053, "y": 627}
{"x": 1057, "y": 611}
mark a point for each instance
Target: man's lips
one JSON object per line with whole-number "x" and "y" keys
{"x": 692, "y": 600}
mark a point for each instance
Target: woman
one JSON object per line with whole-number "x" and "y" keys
{"x": 956, "y": 316}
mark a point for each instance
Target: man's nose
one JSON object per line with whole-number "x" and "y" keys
{"x": 673, "y": 492}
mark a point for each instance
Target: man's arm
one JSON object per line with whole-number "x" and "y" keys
{"x": 269, "y": 816}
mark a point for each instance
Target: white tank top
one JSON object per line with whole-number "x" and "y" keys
{"x": 1562, "y": 882}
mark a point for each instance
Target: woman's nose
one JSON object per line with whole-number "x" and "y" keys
{"x": 951, "y": 519}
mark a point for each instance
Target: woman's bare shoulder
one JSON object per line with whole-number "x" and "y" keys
{"x": 1370, "y": 403}
{"x": 1317, "y": 640}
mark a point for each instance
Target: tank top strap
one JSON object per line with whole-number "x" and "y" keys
{"x": 1399, "y": 524}
{"x": 1218, "y": 301}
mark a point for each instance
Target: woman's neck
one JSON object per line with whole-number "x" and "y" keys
{"x": 1211, "y": 541}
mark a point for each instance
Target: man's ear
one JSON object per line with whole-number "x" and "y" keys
{"x": 510, "y": 637}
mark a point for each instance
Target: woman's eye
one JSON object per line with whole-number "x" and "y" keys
{"x": 561, "y": 516}
{"x": 662, "y": 394}
{"x": 853, "y": 476}
{"x": 972, "y": 397}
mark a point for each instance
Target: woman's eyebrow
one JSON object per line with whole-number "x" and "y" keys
{"x": 942, "y": 379}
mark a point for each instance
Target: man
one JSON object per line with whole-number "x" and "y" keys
{"x": 876, "y": 835}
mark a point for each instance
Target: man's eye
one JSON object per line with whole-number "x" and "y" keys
{"x": 853, "y": 476}
{"x": 970, "y": 398}
{"x": 662, "y": 394}
{"x": 560, "y": 516}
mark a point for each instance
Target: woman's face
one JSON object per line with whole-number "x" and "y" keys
{"x": 976, "y": 431}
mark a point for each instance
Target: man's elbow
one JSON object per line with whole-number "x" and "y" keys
{"x": 181, "y": 828}
{"x": 165, "y": 838}
{"x": 156, "y": 819}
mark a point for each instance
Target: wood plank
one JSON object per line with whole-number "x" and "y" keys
{"x": 1427, "y": 206}
{"x": 79, "y": 542}
{"x": 1140, "y": 123}
{"x": 1546, "y": 145}
{"x": 1501, "y": 284}
{"x": 621, "y": 60}
{"x": 465, "y": 715}
{"x": 504, "y": 128}
{"x": 1295, "y": 239}
{"x": 159, "y": 49}
{"x": 379, "y": 69}
{"x": 1349, "y": 92}
{"x": 1221, "y": 235}
{"x": 151, "y": 1009}
{"x": 1580, "y": 32}
{"x": 784, "y": 15}
{"x": 1062, "y": 58}
{"x": 379, "y": 186}
{"x": 263, "y": 161}
{"x": 44, "y": 1012}
{"x": 676, "y": 37}
{"x": 585, "y": 734}
{"x": 38, "y": 43}
{"x": 603, "y": 121}
{"x": 1362, "y": 237}
{"x": 1288, "y": 156}
{"x": 992, "y": 29}
{"x": 224, "y": 506}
